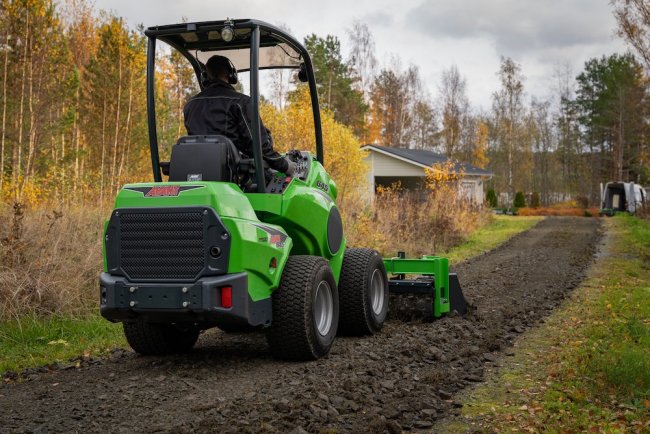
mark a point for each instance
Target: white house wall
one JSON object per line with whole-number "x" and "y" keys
{"x": 382, "y": 165}
{"x": 472, "y": 189}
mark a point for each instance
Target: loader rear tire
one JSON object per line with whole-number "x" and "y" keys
{"x": 363, "y": 291}
{"x": 151, "y": 339}
{"x": 305, "y": 310}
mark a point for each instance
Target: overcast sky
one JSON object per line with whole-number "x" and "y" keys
{"x": 542, "y": 36}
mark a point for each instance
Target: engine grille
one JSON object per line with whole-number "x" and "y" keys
{"x": 162, "y": 245}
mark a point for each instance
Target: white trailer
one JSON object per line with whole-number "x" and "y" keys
{"x": 621, "y": 196}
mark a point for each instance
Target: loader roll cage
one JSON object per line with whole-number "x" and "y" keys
{"x": 267, "y": 46}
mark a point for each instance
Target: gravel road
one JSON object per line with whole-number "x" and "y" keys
{"x": 403, "y": 379}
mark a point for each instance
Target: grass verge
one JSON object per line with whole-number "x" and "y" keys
{"x": 588, "y": 367}
{"x": 499, "y": 230}
{"x": 34, "y": 341}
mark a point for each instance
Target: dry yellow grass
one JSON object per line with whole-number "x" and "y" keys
{"x": 414, "y": 223}
{"x": 558, "y": 211}
{"x": 50, "y": 259}
{"x": 427, "y": 222}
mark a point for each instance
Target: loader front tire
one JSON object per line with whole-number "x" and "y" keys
{"x": 305, "y": 310}
{"x": 151, "y": 339}
{"x": 363, "y": 292}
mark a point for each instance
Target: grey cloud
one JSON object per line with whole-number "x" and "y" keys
{"x": 516, "y": 26}
{"x": 378, "y": 18}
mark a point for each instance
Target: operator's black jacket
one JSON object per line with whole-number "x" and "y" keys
{"x": 220, "y": 109}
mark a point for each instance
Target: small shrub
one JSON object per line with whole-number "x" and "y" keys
{"x": 534, "y": 200}
{"x": 491, "y": 198}
{"x": 520, "y": 200}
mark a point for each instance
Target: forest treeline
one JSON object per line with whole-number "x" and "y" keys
{"x": 73, "y": 112}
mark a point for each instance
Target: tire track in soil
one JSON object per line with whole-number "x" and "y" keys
{"x": 404, "y": 378}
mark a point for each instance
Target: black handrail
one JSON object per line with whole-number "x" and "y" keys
{"x": 254, "y": 111}
{"x": 151, "y": 109}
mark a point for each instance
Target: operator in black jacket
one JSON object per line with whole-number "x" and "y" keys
{"x": 220, "y": 109}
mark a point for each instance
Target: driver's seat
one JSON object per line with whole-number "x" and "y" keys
{"x": 204, "y": 158}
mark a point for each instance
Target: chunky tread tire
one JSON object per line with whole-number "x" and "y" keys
{"x": 357, "y": 317}
{"x": 293, "y": 334}
{"x": 159, "y": 339}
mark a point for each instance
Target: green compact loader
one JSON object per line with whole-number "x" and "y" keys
{"x": 226, "y": 242}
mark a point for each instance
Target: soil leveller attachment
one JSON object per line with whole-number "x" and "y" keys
{"x": 432, "y": 279}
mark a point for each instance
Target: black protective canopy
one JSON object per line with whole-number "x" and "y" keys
{"x": 255, "y": 45}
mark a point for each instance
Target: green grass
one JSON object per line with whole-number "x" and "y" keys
{"x": 617, "y": 350}
{"x": 33, "y": 341}
{"x": 588, "y": 367}
{"x": 499, "y": 230}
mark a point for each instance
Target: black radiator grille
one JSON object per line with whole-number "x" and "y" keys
{"x": 162, "y": 245}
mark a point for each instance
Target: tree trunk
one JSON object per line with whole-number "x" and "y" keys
{"x": 621, "y": 139}
{"x": 101, "y": 161}
{"x": 31, "y": 147}
{"x": 17, "y": 154}
{"x": 75, "y": 139}
{"x": 4, "y": 117}
{"x": 125, "y": 148}
{"x": 329, "y": 92}
{"x": 117, "y": 119}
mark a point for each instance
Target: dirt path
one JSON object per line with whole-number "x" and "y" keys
{"x": 405, "y": 378}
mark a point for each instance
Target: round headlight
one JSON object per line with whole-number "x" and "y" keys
{"x": 227, "y": 33}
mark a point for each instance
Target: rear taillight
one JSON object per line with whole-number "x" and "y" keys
{"x": 226, "y": 297}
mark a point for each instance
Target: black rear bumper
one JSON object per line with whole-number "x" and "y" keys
{"x": 196, "y": 302}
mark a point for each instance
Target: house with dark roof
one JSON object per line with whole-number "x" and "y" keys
{"x": 388, "y": 165}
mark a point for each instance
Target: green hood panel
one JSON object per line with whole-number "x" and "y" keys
{"x": 225, "y": 198}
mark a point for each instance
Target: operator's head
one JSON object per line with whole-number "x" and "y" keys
{"x": 220, "y": 68}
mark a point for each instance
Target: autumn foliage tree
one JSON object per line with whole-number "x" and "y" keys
{"x": 38, "y": 80}
{"x": 454, "y": 109}
{"x": 633, "y": 18}
{"x": 401, "y": 114}
{"x": 293, "y": 128}
{"x": 508, "y": 126}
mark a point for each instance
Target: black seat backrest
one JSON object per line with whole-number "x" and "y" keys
{"x": 203, "y": 158}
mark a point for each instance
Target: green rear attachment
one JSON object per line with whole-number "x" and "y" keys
{"x": 431, "y": 278}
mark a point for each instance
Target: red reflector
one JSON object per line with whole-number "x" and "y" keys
{"x": 226, "y": 297}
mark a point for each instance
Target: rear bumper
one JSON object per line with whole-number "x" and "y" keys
{"x": 197, "y": 302}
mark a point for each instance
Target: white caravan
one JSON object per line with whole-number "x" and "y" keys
{"x": 621, "y": 196}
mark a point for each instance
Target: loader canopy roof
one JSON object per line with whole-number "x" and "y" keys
{"x": 200, "y": 41}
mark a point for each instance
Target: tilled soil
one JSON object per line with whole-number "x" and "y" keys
{"x": 402, "y": 379}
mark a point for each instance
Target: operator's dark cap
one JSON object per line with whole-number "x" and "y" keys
{"x": 217, "y": 66}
